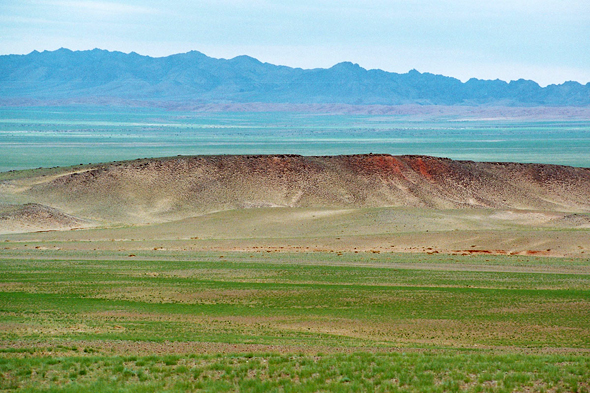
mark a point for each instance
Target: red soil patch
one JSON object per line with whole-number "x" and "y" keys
{"x": 487, "y": 252}
{"x": 423, "y": 169}
{"x": 536, "y": 252}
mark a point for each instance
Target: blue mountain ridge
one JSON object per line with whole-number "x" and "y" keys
{"x": 193, "y": 76}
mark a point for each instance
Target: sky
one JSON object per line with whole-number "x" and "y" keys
{"x": 544, "y": 40}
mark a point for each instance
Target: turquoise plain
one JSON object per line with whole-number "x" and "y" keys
{"x": 32, "y": 137}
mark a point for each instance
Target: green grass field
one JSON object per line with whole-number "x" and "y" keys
{"x": 179, "y": 321}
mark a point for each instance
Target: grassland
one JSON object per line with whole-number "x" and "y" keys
{"x": 76, "y": 321}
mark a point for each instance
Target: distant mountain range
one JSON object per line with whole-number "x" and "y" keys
{"x": 99, "y": 74}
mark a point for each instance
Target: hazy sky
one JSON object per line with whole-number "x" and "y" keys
{"x": 544, "y": 40}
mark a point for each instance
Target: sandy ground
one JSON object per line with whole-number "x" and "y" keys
{"x": 460, "y": 231}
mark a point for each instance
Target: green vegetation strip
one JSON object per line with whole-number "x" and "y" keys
{"x": 392, "y": 372}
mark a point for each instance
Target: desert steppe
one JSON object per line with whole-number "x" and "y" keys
{"x": 295, "y": 273}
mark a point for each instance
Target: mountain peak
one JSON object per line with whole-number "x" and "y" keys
{"x": 245, "y": 59}
{"x": 196, "y": 53}
{"x": 347, "y": 65}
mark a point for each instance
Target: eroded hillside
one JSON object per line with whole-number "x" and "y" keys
{"x": 159, "y": 190}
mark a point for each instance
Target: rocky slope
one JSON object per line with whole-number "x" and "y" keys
{"x": 159, "y": 190}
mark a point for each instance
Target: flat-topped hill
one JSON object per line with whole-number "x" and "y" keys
{"x": 165, "y": 189}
